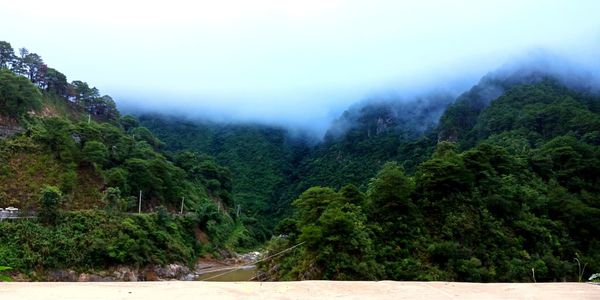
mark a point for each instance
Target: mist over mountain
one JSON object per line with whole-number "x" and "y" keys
{"x": 297, "y": 66}
{"x": 417, "y": 105}
{"x": 380, "y": 140}
{"x": 356, "y": 144}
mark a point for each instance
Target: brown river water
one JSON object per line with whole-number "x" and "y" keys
{"x": 239, "y": 274}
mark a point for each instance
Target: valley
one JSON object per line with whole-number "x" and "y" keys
{"x": 496, "y": 184}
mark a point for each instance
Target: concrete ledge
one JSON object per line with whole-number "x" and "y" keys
{"x": 297, "y": 290}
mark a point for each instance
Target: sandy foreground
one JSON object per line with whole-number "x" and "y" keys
{"x": 179, "y": 290}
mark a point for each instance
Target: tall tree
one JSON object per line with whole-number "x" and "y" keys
{"x": 17, "y": 94}
{"x": 50, "y": 201}
{"x": 95, "y": 152}
{"x": 7, "y": 55}
{"x": 18, "y": 65}
{"x": 389, "y": 193}
{"x": 84, "y": 94}
{"x": 56, "y": 82}
{"x": 104, "y": 107}
{"x": 34, "y": 67}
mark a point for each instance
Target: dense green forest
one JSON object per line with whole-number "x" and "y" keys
{"x": 261, "y": 159}
{"x": 272, "y": 166}
{"x": 498, "y": 184}
{"x": 505, "y": 183}
{"x": 67, "y": 155}
{"x": 514, "y": 196}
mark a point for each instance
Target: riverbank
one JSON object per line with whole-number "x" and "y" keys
{"x": 297, "y": 290}
{"x": 237, "y": 267}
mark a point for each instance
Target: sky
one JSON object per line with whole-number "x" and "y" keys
{"x": 298, "y": 63}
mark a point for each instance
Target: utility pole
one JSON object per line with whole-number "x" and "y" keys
{"x": 182, "y": 198}
{"x": 140, "y": 203}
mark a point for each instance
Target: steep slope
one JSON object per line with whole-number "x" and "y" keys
{"x": 370, "y": 134}
{"x": 460, "y": 117}
{"x": 261, "y": 159}
{"x": 521, "y": 204}
{"x": 68, "y": 158}
{"x": 271, "y": 167}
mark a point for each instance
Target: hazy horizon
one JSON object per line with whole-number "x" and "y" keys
{"x": 292, "y": 64}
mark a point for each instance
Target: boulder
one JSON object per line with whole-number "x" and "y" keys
{"x": 125, "y": 273}
{"x": 62, "y": 275}
{"x": 172, "y": 271}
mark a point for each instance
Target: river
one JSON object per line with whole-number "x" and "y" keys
{"x": 245, "y": 273}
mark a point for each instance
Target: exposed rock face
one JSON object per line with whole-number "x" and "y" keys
{"x": 172, "y": 271}
{"x": 9, "y": 126}
{"x": 384, "y": 124}
{"x": 62, "y": 275}
{"x": 84, "y": 277}
{"x": 125, "y": 273}
{"x": 8, "y": 131}
{"x": 150, "y": 273}
{"x": 250, "y": 257}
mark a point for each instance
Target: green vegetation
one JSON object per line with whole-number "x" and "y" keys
{"x": 17, "y": 95}
{"x": 272, "y": 167}
{"x": 259, "y": 158}
{"x": 2, "y": 276}
{"x": 83, "y": 159}
{"x": 49, "y": 206}
{"x": 86, "y": 240}
{"x": 524, "y": 196}
{"x": 337, "y": 243}
{"x": 81, "y": 167}
{"x": 507, "y": 182}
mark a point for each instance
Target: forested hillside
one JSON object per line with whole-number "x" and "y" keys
{"x": 261, "y": 160}
{"x": 501, "y": 183}
{"x": 69, "y": 158}
{"x": 505, "y": 183}
{"x": 272, "y": 166}
{"x": 520, "y": 202}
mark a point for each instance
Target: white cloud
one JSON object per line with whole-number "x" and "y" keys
{"x": 271, "y": 59}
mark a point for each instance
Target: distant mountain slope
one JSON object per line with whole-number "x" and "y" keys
{"x": 370, "y": 134}
{"x": 519, "y": 202}
{"x": 270, "y": 168}
{"x": 460, "y": 117}
{"x": 261, "y": 160}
